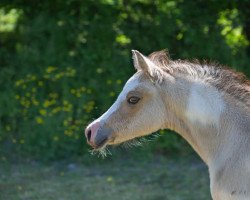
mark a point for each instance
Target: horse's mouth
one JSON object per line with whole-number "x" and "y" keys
{"x": 101, "y": 144}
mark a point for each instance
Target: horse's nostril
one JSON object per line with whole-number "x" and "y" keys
{"x": 89, "y": 134}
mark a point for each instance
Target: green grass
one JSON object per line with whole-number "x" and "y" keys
{"x": 153, "y": 178}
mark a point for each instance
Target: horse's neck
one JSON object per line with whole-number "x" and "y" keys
{"x": 198, "y": 112}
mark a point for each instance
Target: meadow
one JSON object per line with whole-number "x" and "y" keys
{"x": 125, "y": 177}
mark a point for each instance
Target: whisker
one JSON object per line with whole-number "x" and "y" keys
{"x": 137, "y": 142}
{"x": 133, "y": 143}
{"x": 103, "y": 152}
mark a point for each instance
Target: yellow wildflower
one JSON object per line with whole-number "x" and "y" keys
{"x": 53, "y": 95}
{"x": 33, "y": 78}
{"x": 112, "y": 94}
{"x": 43, "y": 112}
{"x": 68, "y": 133}
{"x": 25, "y": 103}
{"x": 67, "y": 107}
{"x": 65, "y": 102}
{"x": 35, "y": 102}
{"x": 39, "y": 120}
{"x": 89, "y": 106}
{"x": 48, "y": 103}
{"x": 50, "y": 69}
{"x": 56, "y": 110}
{"x": 19, "y": 82}
{"x": 70, "y": 72}
{"x": 59, "y": 75}
{"x": 65, "y": 122}
{"x": 78, "y": 94}
{"x": 119, "y": 81}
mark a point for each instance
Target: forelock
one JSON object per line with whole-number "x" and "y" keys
{"x": 161, "y": 59}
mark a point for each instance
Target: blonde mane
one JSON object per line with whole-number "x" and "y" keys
{"x": 223, "y": 78}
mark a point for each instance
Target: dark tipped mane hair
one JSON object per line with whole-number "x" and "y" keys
{"x": 226, "y": 80}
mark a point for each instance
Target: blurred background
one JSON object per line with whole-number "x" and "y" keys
{"x": 63, "y": 63}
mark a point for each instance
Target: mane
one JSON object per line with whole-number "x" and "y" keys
{"x": 226, "y": 80}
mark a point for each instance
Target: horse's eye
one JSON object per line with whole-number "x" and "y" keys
{"x": 133, "y": 100}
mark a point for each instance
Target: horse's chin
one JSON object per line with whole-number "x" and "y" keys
{"x": 133, "y": 141}
{"x": 116, "y": 141}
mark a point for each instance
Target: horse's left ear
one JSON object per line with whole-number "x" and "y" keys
{"x": 143, "y": 63}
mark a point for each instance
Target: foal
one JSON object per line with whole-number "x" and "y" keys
{"x": 207, "y": 105}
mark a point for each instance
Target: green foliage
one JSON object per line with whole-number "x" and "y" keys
{"x": 62, "y": 63}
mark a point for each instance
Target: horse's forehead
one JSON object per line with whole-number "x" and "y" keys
{"x": 132, "y": 83}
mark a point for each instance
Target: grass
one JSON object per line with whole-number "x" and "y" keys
{"x": 153, "y": 178}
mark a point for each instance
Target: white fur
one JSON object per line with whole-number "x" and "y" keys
{"x": 129, "y": 86}
{"x": 205, "y": 105}
{"x": 247, "y": 164}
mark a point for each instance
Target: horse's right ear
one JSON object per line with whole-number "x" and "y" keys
{"x": 140, "y": 61}
{"x": 143, "y": 63}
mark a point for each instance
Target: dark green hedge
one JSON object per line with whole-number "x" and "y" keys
{"x": 62, "y": 63}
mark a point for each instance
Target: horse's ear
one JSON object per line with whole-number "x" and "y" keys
{"x": 143, "y": 63}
